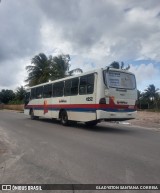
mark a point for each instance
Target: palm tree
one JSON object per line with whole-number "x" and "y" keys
{"x": 124, "y": 68}
{"x": 51, "y": 68}
{"x": 142, "y": 102}
{"x": 76, "y": 70}
{"x": 152, "y": 94}
{"x": 116, "y": 65}
{"x": 39, "y": 72}
{"x": 60, "y": 67}
{"x": 20, "y": 93}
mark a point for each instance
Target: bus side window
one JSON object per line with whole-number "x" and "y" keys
{"x": 67, "y": 88}
{"x": 90, "y": 84}
{"x": 47, "y": 91}
{"x": 39, "y": 92}
{"x": 74, "y": 87}
{"x": 27, "y": 98}
{"x": 86, "y": 84}
{"x": 33, "y": 93}
{"x": 83, "y": 85}
{"x": 71, "y": 87}
{"x": 58, "y": 89}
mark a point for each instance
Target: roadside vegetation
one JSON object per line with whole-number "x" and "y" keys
{"x": 149, "y": 99}
{"x": 11, "y": 97}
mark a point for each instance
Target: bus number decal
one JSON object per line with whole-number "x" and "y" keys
{"x": 89, "y": 99}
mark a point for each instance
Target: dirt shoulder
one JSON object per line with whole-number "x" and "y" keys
{"x": 147, "y": 119}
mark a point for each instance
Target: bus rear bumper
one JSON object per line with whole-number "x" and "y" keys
{"x": 115, "y": 116}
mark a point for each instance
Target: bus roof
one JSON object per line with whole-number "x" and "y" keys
{"x": 78, "y": 75}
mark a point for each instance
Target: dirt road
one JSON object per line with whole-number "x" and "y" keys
{"x": 146, "y": 119}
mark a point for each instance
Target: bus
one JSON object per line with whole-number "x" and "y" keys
{"x": 105, "y": 94}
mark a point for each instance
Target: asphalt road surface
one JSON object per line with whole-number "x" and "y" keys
{"x": 44, "y": 151}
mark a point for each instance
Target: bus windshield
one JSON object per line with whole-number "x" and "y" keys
{"x": 115, "y": 79}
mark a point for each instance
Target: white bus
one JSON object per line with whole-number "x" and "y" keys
{"x": 107, "y": 94}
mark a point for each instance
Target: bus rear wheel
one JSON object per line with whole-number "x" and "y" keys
{"x": 33, "y": 117}
{"x": 32, "y": 114}
{"x": 64, "y": 118}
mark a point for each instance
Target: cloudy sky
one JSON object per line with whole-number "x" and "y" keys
{"x": 93, "y": 32}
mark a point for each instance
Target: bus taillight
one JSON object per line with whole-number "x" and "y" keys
{"x": 102, "y": 101}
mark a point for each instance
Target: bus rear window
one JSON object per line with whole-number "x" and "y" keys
{"x": 116, "y": 79}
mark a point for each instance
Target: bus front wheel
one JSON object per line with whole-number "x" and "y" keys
{"x": 64, "y": 117}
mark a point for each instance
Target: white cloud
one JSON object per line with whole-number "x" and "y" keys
{"x": 146, "y": 74}
{"x": 51, "y": 40}
{"x": 12, "y": 76}
{"x": 94, "y": 32}
{"x": 93, "y": 29}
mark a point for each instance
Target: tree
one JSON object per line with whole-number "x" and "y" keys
{"x": 76, "y": 70}
{"x": 158, "y": 101}
{"x": 142, "y": 102}
{"x": 6, "y": 96}
{"x": 116, "y": 65}
{"x": 139, "y": 95}
{"x": 20, "y": 93}
{"x": 124, "y": 68}
{"x": 39, "y": 72}
{"x": 151, "y": 93}
{"x": 60, "y": 67}
{"x": 45, "y": 69}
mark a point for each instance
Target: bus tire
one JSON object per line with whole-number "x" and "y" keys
{"x": 64, "y": 118}
{"x": 32, "y": 114}
{"x": 91, "y": 123}
{"x": 33, "y": 117}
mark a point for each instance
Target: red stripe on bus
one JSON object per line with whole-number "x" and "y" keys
{"x": 91, "y": 106}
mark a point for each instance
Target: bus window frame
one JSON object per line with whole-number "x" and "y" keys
{"x": 33, "y": 96}
{"x": 39, "y": 95}
{"x": 86, "y": 85}
{"x": 54, "y": 96}
{"x": 70, "y": 93}
{"x": 47, "y": 85}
